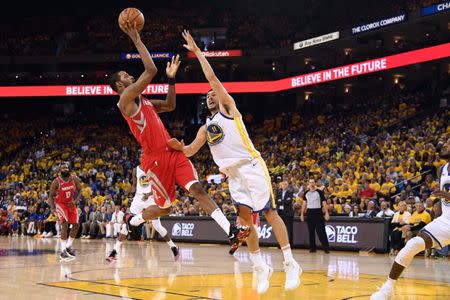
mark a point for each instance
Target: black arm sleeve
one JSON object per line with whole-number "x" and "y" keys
{"x": 419, "y": 226}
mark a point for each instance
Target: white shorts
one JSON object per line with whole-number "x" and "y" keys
{"x": 439, "y": 230}
{"x": 138, "y": 205}
{"x": 250, "y": 184}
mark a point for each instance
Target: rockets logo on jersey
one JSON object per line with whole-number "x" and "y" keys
{"x": 214, "y": 134}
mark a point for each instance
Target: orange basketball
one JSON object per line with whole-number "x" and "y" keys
{"x": 132, "y": 15}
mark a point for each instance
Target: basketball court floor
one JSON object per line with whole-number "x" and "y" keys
{"x": 29, "y": 269}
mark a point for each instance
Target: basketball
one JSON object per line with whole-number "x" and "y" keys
{"x": 133, "y": 15}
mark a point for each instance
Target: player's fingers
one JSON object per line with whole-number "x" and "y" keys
{"x": 168, "y": 64}
{"x": 186, "y": 46}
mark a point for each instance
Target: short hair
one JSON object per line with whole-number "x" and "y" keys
{"x": 113, "y": 79}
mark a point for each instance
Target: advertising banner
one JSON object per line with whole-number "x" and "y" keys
{"x": 317, "y": 40}
{"x": 379, "y": 24}
{"x": 342, "y": 233}
{"x": 435, "y": 9}
{"x": 154, "y": 55}
{"x": 356, "y": 69}
{"x": 218, "y": 53}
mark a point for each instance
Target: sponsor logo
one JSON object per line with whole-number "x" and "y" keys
{"x": 317, "y": 40}
{"x": 183, "y": 229}
{"x": 341, "y": 234}
{"x": 379, "y": 24}
{"x": 264, "y": 232}
{"x": 434, "y": 9}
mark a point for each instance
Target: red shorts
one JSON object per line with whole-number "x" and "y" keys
{"x": 66, "y": 213}
{"x": 166, "y": 169}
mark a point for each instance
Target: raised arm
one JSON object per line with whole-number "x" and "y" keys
{"x": 170, "y": 103}
{"x": 227, "y": 104}
{"x": 126, "y": 103}
{"x": 52, "y": 195}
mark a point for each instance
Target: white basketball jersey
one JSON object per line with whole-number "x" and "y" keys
{"x": 444, "y": 185}
{"x": 228, "y": 140}
{"x": 143, "y": 186}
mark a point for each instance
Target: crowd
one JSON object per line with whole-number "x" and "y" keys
{"x": 378, "y": 160}
{"x": 249, "y": 24}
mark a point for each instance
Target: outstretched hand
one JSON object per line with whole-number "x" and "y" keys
{"x": 191, "y": 45}
{"x": 130, "y": 29}
{"x": 176, "y": 144}
{"x": 172, "y": 66}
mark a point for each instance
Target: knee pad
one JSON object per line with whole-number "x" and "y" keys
{"x": 123, "y": 229}
{"x": 156, "y": 223}
{"x": 411, "y": 249}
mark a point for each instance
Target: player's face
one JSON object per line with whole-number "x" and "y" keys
{"x": 211, "y": 101}
{"x": 65, "y": 170}
{"x": 445, "y": 151}
{"x": 126, "y": 78}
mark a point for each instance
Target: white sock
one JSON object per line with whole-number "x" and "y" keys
{"x": 117, "y": 246}
{"x": 287, "y": 253}
{"x": 390, "y": 281}
{"x": 63, "y": 245}
{"x": 171, "y": 244}
{"x": 69, "y": 242}
{"x": 256, "y": 258}
{"x": 137, "y": 220}
{"x": 220, "y": 219}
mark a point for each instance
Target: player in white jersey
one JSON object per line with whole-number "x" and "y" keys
{"x": 249, "y": 180}
{"x": 434, "y": 235}
{"x": 143, "y": 198}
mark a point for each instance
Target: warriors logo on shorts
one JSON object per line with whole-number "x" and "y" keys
{"x": 214, "y": 133}
{"x": 143, "y": 181}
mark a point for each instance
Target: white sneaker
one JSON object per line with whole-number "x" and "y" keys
{"x": 385, "y": 292}
{"x": 49, "y": 234}
{"x": 293, "y": 273}
{"x": 263, "y": 273}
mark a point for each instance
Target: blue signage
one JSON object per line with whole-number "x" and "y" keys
{"x": 380, "y": 23}
{"x": 434, "y": 9}
{"x": 154, "y": 55}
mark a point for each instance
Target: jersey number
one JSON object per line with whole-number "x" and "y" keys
{"x": 67, "y": 194}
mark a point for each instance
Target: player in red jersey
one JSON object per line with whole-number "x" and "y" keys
{"x": 164, "y": 166}
{"x": 64, "y": 188}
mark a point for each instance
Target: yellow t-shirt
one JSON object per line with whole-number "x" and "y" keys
{"x": 416, "y": 218}
{"x": 387, "y": 188}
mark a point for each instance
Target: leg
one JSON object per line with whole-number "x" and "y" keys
{"x": 209, "y": 206}
{"x": 102, "y": 229}
{"x": 312, "y": 233}
{"x": 263, "y": 271}
{"x": 123, "y": 233}
{"x": 109, "y": 230}
{"x": 64, "y": 234}
{"x": 321, "y": 233}
{"x": 148, "y": 230}
{"x": 278, "y": 226}
{"x": 402, "y": 260}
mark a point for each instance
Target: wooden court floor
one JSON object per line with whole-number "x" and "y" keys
{"x": 29, "y": 269}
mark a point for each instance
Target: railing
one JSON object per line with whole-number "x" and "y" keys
{"x": 409, "y": 180}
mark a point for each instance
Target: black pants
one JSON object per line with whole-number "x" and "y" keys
{"x": 50, "y": 226}
{"x": 397, "y": 242}
{"x": 316, "y": 223}
{"x": 289, "y": 222}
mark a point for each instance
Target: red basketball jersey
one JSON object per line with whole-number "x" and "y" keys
{"x": 148, "y": 129}
{"x": 66, "y": 191}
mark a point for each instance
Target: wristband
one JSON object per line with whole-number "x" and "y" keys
{"x": 171, "y": 81}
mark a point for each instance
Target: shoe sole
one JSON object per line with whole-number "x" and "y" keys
{"x": 66, "y": 259}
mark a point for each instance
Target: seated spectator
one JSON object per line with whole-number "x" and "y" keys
{"x": 347, "y": 210}
{"x": 85, "y": 222}
{"x": 385, "y": 211}
{"x": 371, "y": 211}
{"x": 355, "y": 211}
{"x": 368, "y": 192}
{"x": 50, "y": 224}
{"x": 418, "y": 220}
{"x": 401, "y": 219}
{"x": 114, "y": 226}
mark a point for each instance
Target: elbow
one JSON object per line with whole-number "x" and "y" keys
{"x": 151, "y": 71}
{"x": 171, "y": 107}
